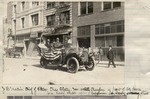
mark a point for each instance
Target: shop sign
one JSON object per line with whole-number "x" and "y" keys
{"x": 34, "y": 35}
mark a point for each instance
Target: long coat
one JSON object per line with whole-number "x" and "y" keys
{"x": 110, "y": 55}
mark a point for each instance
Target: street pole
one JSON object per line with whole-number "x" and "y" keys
{"x": 2, "y": 45}
{"x": 15, "y": 34}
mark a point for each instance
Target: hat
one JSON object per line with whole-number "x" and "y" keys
{"x": 110, "y": 46}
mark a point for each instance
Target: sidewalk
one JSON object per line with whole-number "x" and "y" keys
{"x": 118, "y": 63}
{"x": 34, "y": 58}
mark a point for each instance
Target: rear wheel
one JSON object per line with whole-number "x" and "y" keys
{"x": 72, "y": 65}
{"x": 91, "y": 64}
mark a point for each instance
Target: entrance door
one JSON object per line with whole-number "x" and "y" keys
{"x": 84, "y": 42}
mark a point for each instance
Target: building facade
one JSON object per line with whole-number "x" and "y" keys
{"x": 57, "y": 20}
{"x": 99, "y": 24}
{"x": 27, "y": 26}
{"x": 93, "y": 25}
{"x": 7, "y": 27}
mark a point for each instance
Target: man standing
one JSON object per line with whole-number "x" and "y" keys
{"x": 100, "y": 54}
{"x": 110, "y": 56}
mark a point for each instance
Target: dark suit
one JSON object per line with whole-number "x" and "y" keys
{"x": 110, "y": 56}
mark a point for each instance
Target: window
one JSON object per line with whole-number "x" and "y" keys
{"x": 63, "y": 3}
{"x": 111, "y": 5}
{"x": 10, "y": 97}
{"x": 50, "y": 5}
{"x": 14, "y": 22}
{"x": 100, "y": 41}
{"x": 120, "y": 40}
{"x": 86, "y": 7}
{"x": 112, "y": 27}
{"x": 18, "y": 97}
{"x": 84, "y": 31}
{"x": 107, "y": 5}
{"x": 34, "y": 20}
{"x": 23, "y": 5}
{"x": 35, "y": 3}
{"x": 110, "y": 40}
{"x": 116, "y": 4}
{"x": 14, "y": 8}
{"x": 65, "y": 17}
{"x": 50, "y": 20}
{"x": 22, "y": 22}
{"x": 27, "y": 97}
{"x": 90, "y": 7}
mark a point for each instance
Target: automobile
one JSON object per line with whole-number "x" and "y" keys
{"x": 74, "y": 58}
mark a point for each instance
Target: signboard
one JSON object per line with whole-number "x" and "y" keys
{"x": 34, "y": 35}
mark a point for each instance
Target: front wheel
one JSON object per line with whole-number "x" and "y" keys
{"x": 91, "y": 64}
{"x": 43, "y": 62}
{"x": 72, "y": 65}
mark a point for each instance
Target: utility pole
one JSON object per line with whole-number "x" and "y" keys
{"x": 15, "y": 31}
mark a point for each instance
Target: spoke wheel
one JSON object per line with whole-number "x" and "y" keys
{"x": 72, "y": 65}
{"x": 43, "y": 62}
{"x": 91, "y": 64}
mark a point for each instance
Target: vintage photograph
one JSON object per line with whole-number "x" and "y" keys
{"x": 66, "y": 97}
{"x": 54, "y": 43}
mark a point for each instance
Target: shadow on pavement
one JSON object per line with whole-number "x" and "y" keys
{"x": 58, "y": 68}
{"x": 64, "y": 69}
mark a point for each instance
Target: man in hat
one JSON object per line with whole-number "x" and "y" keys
{"x": 110, "y": 56}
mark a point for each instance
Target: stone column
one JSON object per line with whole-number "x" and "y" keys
{"x": 92, "y": 36}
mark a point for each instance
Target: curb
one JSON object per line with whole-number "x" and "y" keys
{"x": 115, "y": 64}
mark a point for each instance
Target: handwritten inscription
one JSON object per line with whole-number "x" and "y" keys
{"x": 96, "y": 91}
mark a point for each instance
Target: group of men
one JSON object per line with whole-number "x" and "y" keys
{"x": 57, "y": 44}
{"x": 110, "y": 56}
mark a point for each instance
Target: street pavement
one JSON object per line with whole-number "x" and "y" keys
{"x": 29, "y": 71}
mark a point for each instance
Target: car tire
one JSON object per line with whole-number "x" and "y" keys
{"x": 43, "y": 63}
{"x": 72, "y": 65}
{"x": 91, "y": 64}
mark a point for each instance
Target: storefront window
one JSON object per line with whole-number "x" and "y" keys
{"x": 100, "y": 41}
{"x": 84, "y": 31}
{"x": 110, "y": 40}
{"x": 120, "y": 40}
{"x": 112, "y": 27}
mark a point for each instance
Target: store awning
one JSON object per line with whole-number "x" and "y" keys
{"x": 53, "y": 34}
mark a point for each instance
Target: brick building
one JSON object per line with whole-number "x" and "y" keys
{"x": 98, "y": 24}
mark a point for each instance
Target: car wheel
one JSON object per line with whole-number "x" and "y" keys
{"x": 72, "y": 65}
{"x": 43, "y": 62}
{"x": 91, "y": 64}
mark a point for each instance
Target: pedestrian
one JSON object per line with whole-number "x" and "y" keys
{"x": 110, "y": 56}
{"x": 100, "y": 54}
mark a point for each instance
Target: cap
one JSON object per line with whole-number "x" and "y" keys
{"x": 110, "y": 46}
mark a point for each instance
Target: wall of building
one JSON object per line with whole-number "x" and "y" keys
{"x": 28, "y": 35}
{"x": 98, "y": 16}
